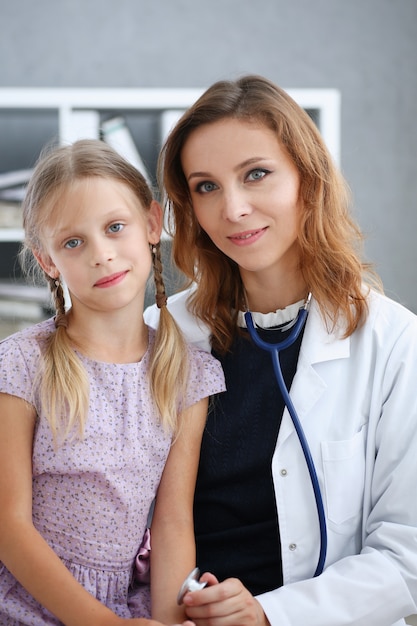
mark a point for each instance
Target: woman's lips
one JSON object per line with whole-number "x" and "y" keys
{"x": 110, "y": 281}
{"x": 247, "y": 237}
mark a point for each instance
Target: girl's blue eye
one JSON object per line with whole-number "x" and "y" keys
{"x": 116, "y": 228}
{"x": 72, "y": 243}
{"x": 257, "y": 174}
{"x": 206, "y": 187}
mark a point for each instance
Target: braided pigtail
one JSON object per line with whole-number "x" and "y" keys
{"x": 160, "y": 295}
{"x": 168, "y": 369}
{"x": 64, "y": 387}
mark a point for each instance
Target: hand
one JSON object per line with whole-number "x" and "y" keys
{"x": 224, "y": 604}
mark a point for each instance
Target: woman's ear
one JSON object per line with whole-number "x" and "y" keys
{"x": 46, "y": 264}
{"x": 155, "y": 219}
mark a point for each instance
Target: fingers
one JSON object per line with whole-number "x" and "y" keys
{"x": 208, "y": 578}
{"x": 228, "y": 603}
{"x": 217, "y": 599}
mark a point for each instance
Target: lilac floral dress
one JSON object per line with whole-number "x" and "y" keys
{"x": 91, "y": 497}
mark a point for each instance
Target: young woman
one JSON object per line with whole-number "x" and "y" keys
{"x": 316, "y": 527}
{"x": 99, "y": 414}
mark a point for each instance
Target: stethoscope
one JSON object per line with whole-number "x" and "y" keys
{"x": 192, "y": 583}
{"x": 275, "y": 349}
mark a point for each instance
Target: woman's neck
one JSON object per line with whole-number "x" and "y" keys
{"x": 269, "y": 296}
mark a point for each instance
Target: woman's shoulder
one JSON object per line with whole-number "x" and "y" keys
{"x": 387, "y": 311}
{"x": 193, "y": 329}
{"x": 389, "y": 325}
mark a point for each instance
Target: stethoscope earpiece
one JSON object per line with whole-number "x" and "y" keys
{"x": 191, "y": 583}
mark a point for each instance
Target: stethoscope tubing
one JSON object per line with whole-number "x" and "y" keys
{"x": 274, "y": 349}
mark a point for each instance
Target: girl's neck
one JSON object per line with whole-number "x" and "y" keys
{"x": 108, "y": 342}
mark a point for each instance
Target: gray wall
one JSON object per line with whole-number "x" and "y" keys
{"x": 365, "y": 48}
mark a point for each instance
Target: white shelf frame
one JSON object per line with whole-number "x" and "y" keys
{"x": 67, "y": 101}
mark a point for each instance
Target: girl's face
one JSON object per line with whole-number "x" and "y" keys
{"x": 245, "y": 194}
{"x": 98, "y": 241}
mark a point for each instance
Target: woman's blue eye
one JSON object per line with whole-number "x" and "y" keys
{"x": 257, "y": 174}
{"x": 116, "y": 228}
{"x": 206, "y": 187}
{"x": 72, "y": 243}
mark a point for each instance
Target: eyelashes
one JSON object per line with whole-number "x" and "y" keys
{"x": 75, "y": 242}
{"x": 116, "y": 228}
{"x": 72, "y": 243}
{"x": 254, "y": 175}
{"x": 257, "y": 174}
{"x": 205, "y": 186}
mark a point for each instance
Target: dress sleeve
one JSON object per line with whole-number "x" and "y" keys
{"x": 206, "y": 376}
{"x": 17, "y": 368}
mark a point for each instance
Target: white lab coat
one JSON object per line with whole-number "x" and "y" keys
{"x": 357, "y": 402}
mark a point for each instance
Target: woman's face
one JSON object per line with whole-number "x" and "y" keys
{"x": 245, "y": 194}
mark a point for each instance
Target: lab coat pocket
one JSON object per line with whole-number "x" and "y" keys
{"x": 344, "y": 476}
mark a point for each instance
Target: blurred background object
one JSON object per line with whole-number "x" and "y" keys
{"x": 364, "y": 49}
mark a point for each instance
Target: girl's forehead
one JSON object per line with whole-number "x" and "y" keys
{"x": 76, "y": 198}
{"x": 88, "y": 188}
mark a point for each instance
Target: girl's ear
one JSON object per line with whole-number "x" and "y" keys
{"x": 46, "y": 264}
{"x": 155, "y": 219}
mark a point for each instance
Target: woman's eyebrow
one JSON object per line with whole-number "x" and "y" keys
{"x": 198, "y": 175}
{"x": 239, "y": 166}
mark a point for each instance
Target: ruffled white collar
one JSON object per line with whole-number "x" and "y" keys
{"x": 275, "y": 318}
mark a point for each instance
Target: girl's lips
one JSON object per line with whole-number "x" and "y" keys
{"x": 110, "y": 281}
{"x": 247, "y": 237}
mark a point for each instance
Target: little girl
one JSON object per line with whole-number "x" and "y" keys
{"x": 98, "y": 413}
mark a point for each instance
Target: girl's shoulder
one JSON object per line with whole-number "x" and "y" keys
{"x": 205, "y": 371}
{"x": 20, "y": 355}
{"x": 206, "y": 377}
{"x": 28, "y": 340}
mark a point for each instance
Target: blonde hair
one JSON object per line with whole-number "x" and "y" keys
{"x": 62, "y": 380}
{"x": 329, "y": 240}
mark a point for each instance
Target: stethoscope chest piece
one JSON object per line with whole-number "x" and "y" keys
{"x": 191, "y": 583}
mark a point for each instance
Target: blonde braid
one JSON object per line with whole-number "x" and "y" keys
{"x": 168, "y": 367}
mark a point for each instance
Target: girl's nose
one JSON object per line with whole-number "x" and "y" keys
{"x": 102, "y": 252}
{"x": 104, "y": 260}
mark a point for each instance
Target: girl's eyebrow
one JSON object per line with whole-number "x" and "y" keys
{"x": 112, "y": 215}
{"x": 239, "y": 166}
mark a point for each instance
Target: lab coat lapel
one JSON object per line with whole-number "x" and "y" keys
{"x": 319, "y": 344}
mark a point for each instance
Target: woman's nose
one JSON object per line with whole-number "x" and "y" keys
{"x": 235, "y": 205}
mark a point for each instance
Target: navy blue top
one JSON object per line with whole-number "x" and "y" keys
{"x": 236, "y": 521}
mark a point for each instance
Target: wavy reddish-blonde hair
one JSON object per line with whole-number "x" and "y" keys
{"x": 330, "y": 241}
